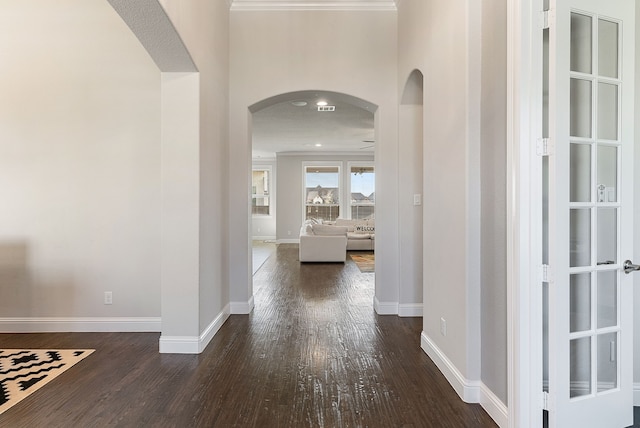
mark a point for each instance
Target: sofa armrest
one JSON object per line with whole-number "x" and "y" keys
{"x": 323, "y": 248}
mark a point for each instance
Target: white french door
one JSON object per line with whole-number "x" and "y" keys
{"x": 590, "y": 216}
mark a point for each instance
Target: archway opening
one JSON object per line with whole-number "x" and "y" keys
{"x": 304, "y": 141}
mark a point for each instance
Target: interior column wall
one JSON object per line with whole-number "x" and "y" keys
{"x": 203, "y": 26}
{"x": 410, "y": 146}
{"x": 190, "y": 36}
{"x": 432, "y": 41}
{"x": 464, "y": 186}
{"x": 180, "y": 208}
{"x": 494, "y": 204}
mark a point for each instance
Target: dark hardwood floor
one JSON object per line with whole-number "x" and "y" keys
{"x": 312, "y": 354}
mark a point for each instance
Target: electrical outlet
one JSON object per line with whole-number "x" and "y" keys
{"x": 443, "y": 327}
{"x": 108, "y": 298}
{"x": 288, "y": 232}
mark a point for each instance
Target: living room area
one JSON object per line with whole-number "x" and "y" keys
{"x": 313, "y": 165}
{"x": 356, "y": 229}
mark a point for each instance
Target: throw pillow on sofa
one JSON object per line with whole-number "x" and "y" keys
{"x": 365, "y": 228}
{"x": 350, "y": 224}
{"x": 322, "y": 229}
{"x": 358, "y": 235}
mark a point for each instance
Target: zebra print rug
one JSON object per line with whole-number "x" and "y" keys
{"x": 23, "y": 371}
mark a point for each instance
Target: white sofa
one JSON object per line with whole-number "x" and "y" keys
{"x": 322, "y": 243}
{"x": 361, "y": 234}
{"x": 329, "y": 242}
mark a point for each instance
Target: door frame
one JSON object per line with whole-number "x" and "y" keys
{"x": 524, "y": 212}
{"x": 524, "y": 218}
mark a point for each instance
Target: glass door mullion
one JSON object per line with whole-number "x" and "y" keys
{"x": 582, "y": 334}
{"x": 580, "y": 269}
{"x": 594, "y": 326}
{"x": 594, "y": 211}
{"x": 592, "y": 331}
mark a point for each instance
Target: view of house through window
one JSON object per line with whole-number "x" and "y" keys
{"x": 260, "y": 183}
{"x": 322, "y": 190}
{"x": 362, "y": 186}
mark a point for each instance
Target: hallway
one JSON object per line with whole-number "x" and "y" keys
{"x": 312, "y": 354}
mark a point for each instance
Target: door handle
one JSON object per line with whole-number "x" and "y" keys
{"x": 630, "y": 267}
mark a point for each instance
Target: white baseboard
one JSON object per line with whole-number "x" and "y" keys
{"x": 263, "y": 238}
{"x": 242, "y": 308}
{"x": 636, "y": 394}
{"x": 193, "y": 344}
{"x": 385, "y": 308}
{"x": 410, "y": 310}
{"x": 494, "y": 406}
{"x": 468, "y": 390}
{"x": 288, "y": 241}
{"x": 179, "y": 345}
{"x": 395, "y": 308}
{"x": 80, "y": 325}
{"x": 213, "y": 327}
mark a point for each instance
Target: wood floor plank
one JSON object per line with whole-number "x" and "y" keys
{"x": 313, "y": 353}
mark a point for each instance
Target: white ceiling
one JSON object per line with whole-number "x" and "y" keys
{"x": 280, "y": 126}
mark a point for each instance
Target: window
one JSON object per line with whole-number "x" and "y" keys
{"x": 260, "y": 191}
{"x": 322, "y": 192}
{"x": 362, "y": 186}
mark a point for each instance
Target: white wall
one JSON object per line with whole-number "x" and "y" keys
{"x": 494, "y": 205}
{"x": 447, "y": 262}
{"x": 347, "y": 52}
{"x": 464, "y": 136}
{"x": 79, "y": 164}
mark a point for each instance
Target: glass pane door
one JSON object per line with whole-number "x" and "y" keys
{"x": 591, "y": 124}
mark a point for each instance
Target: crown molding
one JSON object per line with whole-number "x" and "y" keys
{"x": 277, "y": 5}
{"x": 314, "y": 154}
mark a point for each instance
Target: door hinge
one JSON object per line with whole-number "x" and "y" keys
{"x": 545, "y": 400}
{"x": 546, "y": 19}
{"x": 544, "y": 147}
{"x": 546, "y": 274}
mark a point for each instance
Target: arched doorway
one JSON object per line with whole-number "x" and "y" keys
{"x": 296, "y": 131}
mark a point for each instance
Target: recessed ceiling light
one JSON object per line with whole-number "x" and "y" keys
{"x": 318, "y": 145}
{"x": 299, "y": 103}
{"x": 322, "y": 103}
